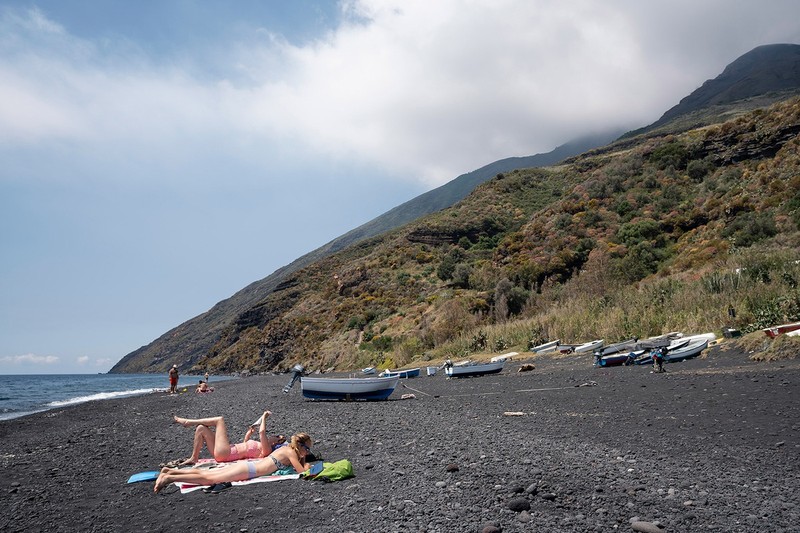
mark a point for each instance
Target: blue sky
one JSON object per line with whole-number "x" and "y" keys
{"x": 157, "y": 156}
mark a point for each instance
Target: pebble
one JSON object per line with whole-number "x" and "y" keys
{"x": 646, "y": 527}
{"x": 519, "y": 504}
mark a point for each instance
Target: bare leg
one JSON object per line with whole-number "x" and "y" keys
{"x": 202, "y": 435}
{"x": 220, "y": 445}
{"x": 234, "y": 472}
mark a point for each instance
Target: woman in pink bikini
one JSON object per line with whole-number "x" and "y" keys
{"x": 293, "y": 454}
{"x": 219, "y": 445}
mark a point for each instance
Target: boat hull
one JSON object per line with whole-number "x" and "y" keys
{"x": 774, "y": 331}
{"x": 467, "y": 371}
{"x": 546, "y": 347}
{"x": 691, "y": 350}
{"x": 402, "y": 374}
{"x": 589, "y": 346}
{"x": 377, "y": 388}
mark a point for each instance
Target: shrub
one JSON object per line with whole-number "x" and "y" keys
{"x": 749, "y": 228}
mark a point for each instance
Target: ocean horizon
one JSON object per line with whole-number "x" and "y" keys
{"x": 25, "y": 394}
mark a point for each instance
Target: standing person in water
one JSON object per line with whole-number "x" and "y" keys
{"x": 293, "y": 454}
{"x": 219, "y": 445}
{"x": 173, "y": 379}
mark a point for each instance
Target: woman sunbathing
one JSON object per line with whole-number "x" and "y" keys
{"x": 294, "y": 455}
{"x": 219, "y": 445}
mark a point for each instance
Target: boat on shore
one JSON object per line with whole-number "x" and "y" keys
{"x": 546, "y": 347}
{"x": 369, "y": 371}
{"x": 505, "y": 357}
{"x": 774, "y": 331}
{"x": 617, "y": 348}
{"x": 372, "y": 388}
{"x": 471, "y": 369}
{"x": 692, "y": 349}
{"x": 619, "y": 358}
{"x": 402, "y": 374}
{"x": 588, "y": 346}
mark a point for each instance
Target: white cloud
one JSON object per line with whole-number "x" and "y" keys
{"x": 82, "y": 360}
{"x": 425, "y": 89}
{"x": 29, "y": 359}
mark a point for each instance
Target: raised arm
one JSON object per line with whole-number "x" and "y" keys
{"x": 266, "y": 448}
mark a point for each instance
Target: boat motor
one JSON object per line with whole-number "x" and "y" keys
{"x": 298, "y": 371}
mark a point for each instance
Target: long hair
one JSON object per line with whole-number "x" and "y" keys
{"x": 297, "y": 441}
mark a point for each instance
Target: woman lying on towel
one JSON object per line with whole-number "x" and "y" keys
{"x": 293, "y": 454}
{"x": 219, "y": 445}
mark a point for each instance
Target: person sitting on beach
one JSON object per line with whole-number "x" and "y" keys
{"x": 203, "y": 387}
{"x": 292, "y": 455}
{"x": 219, "y": 445}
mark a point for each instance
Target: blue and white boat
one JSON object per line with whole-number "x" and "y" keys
{"x": 403, "y": 374}
{"x": 372, "y": 388}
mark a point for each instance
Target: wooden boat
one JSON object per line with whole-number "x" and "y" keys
{"x": 774, "y": 331}
{"x": 410, "y": 373}
{"x": 546, "y": 347}
{"x": 373, "y": 388}
{"x": 470, "y": 369}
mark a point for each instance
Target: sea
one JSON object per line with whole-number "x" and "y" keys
{"x": 33, "y": 393}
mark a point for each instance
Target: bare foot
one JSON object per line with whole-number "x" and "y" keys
{"x": 160, "y": 483}
{"x": 181, "y": 421}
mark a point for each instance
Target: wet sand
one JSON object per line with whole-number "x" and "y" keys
{"x": 711, "y": 445}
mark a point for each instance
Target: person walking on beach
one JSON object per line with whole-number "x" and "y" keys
{"x": 219, "y": 445}
{"x": 658, "y": 359}
{"x": 173, "y": 379}
{"x": 294, "y": 455}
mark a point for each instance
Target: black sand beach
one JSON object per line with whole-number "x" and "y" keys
{"x": 712, "y": 445}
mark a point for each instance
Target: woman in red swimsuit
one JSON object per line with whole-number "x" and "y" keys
{"x": 219, "y": 445}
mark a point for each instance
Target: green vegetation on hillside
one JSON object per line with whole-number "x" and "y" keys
{"x": 689, "y": 231}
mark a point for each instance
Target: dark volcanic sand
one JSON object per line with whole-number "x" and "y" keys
{"x": 712, "y": 444}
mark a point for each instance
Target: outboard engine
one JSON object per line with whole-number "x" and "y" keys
{"x": 298, "y": 371}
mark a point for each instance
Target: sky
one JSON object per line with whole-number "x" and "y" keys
{"x": 157, "y": 156}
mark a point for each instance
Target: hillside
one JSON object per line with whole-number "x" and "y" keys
{"x": 635, "y": 241}
{"x": 535, "y": 238}
{"x": 195, "y": 337}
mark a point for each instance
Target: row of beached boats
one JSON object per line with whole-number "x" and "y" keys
{"x": 376, "y": 386}
{"x": 673, "y": 347}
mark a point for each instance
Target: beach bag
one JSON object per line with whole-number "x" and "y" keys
{"x": 336, "y": 471}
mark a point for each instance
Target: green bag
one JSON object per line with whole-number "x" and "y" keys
{"x": 336, "y": 471}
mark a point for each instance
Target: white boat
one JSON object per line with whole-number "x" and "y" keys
{"x": 370, "y": 370}
{"x": 710, "y": 337}
{"x": 504, "y": 357}
{"x": 690, "y": 350}
{"x": 470, "y": 369}
{"x": 373, "y": 388}
{"x": 546, "y": 347}
{"x": 588, "y": 346}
